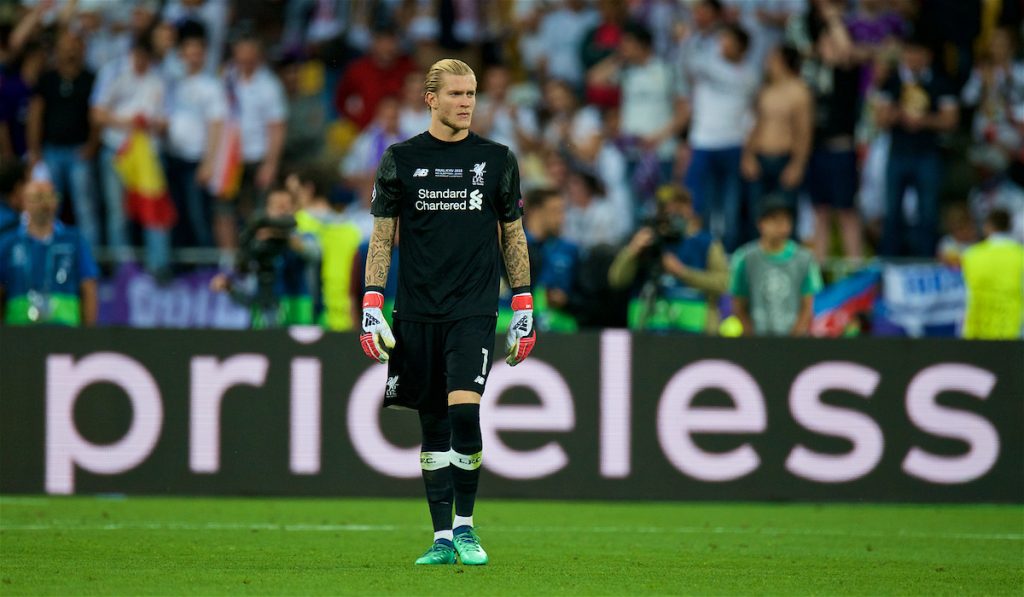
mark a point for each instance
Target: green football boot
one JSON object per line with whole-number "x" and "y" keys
{"x": 439, "y": 553}
{"x": 467, "y": 543}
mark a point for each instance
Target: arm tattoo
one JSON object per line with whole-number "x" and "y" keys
{"x": 378, "y": 257}
{"x": 517, "y": 258}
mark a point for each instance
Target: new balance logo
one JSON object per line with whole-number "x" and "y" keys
{"x": 369, "y": 321}
{"x": 420, "y": 172}
{"x": 479, "y": 379}
{"x": 476, "y": 200}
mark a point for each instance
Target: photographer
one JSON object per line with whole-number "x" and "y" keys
{"x": 677, "y": 269}
{"x": 271, "y": 265}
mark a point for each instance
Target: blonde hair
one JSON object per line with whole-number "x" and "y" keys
{"x": 451, "y": 66}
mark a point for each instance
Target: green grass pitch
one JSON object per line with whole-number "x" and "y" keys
{"x": 191, "y": 546}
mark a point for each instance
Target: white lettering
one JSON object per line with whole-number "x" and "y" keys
{"x": 210, "y": 379}
{"x": 443, "y": 194}
{"x": 555, "y": 413}
{"x": 616, "y": 366}
{"x": 65, "y": 447}
{"x": 860, "y": 429}
{"x": 978, "y": 433}
{"x": 678, "y": 420}
{"x": 305, "y": 424}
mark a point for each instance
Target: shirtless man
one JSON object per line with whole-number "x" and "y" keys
{"x": 777, "y": 149}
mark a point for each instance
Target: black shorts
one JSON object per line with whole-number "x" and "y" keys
{"x": 430, "y": 360}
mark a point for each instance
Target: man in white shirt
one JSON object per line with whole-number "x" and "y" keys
{"x": 131, "y": 97}
{"x": 724, "y": 86}
{"x": 196, "y": 109}
{"x": 591, "y": 220}
{"x": 559, "y": 38}
{"x": 256, "y": 100}
{"x": 653, "y": 111}
{"x": 498, "y": 118}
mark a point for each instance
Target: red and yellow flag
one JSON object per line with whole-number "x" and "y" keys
{"x": 146, "y": 198}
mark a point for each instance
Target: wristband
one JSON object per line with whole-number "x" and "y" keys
{"x": 373, "y": 299}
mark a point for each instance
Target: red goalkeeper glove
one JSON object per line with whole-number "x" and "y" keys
{"x": 376, "y": 336}
{"x": 521, "y": 336}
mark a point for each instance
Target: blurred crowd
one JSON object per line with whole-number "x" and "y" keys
{"x": 672, "y": 151}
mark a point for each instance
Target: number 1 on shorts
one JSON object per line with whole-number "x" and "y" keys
{"x": 483, "y": 367}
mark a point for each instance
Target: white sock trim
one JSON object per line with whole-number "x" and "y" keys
{"x": 449, "y": 535}
{"x": 462, "y": 521}
{"x": 432, "y": 461}
{"x": 466, "y": 462}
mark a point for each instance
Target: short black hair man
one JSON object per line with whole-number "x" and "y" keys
{"x": 774, "y": 279}
{"x": 449, "y": 191}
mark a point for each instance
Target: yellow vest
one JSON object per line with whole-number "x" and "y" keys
{"x": 339, "y": 243}
{"x": 994, "y": 276}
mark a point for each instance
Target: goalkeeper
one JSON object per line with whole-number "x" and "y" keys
{"x": 448, "y": 192}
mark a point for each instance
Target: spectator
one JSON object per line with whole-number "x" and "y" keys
{"x": 110, "y": 30}
{"x": 560, "y": 37}
{"x": 874, "y": 30}
{"x": 565, "y": 121}
{"x": 16, "y": 84}
{"x": 652, "y": 111}
{"x": 414, "y": 115}
{"x": 132, "y": 97}
{"x": 776, "y": 153}
{"x": 702, "y": 41}
{"x": 47, "y": 273}
{"x": 61, "y": 135}
{"x": 915, "y": 103}
{"x": 764, "y": 20}
{"x": 307, "y": 118}
{"x": 774, "y": 280}
{"x": 13, "y": 178}
{"x": 994, "y": 189}
{"x": 600, "y": 42}
{"x": 724, "y": 87}
{"x": 591, "y": 220}
{"x": 677, "y": 269}
{"x": 166, "y": 58}
{"x": 371, "y": 78}
{"x": 994, "y": 276}
{"x": 360, "y": 165}
{"x": 961, "y": 233}
{"x": 197, "y": 108}
{"x": 832, "y": 177}
{"x": 212, "y": 15}
{"x": 554, "y": 261}
{"x": 497, "y": 118}
{"x": 996, "y": 92}
{"x": 270, "y": 270}
{"x": 256, "y": 100}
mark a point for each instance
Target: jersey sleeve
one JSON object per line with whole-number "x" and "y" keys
{"x": 387, "y": 188}
{"x": 510, "y": 196}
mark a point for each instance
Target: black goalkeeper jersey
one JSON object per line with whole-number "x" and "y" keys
{"x": 448, "y": 198}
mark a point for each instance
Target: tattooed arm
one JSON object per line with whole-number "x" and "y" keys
{"x": 517, "y": 258}
{"x": 378, "y": 256}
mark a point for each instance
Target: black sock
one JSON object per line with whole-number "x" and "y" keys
{"x": 437, "y": 475}
{"x": 466, "y": 455}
